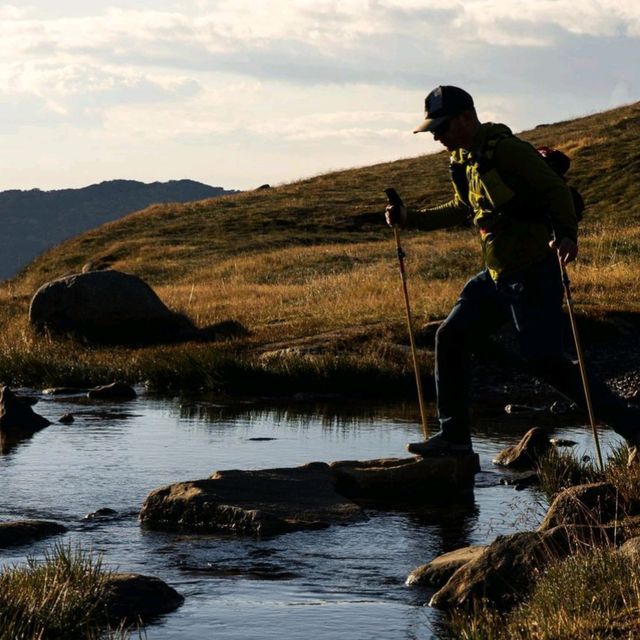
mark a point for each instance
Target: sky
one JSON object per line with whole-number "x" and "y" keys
{"x": 238, "y": 93}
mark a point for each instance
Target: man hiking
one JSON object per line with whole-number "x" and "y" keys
{"x": 524, "y": 213}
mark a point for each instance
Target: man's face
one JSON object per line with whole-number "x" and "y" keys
{"x": 451, "y": 133}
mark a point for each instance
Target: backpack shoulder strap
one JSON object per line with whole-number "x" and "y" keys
{"x": 458, "y": 173}
{"x": 486, "y": 157}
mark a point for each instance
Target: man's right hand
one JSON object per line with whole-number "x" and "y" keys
{"x": 395, "y": 215}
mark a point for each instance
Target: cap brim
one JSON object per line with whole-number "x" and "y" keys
{"x": 429, "y": 124}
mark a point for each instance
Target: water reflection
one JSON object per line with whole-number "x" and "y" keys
{"x": 10, "y": 439}
{"x": 452, "y": 525}
{"x": 303, "y": 412}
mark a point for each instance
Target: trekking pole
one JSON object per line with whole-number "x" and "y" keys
{"x": 583, "y": 370}
{"x": 394, "y": 199}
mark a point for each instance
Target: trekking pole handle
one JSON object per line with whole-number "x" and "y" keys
{"x": 393, "y": 197}
{"x": 396, "y": 201}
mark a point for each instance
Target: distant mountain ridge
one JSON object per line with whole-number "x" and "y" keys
{"x": 35, "y": 220}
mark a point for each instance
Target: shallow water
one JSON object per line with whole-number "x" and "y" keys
{"x": 345, "y": 581}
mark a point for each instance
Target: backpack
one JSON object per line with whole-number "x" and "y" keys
{"x": 560, "y": 163}
{"x": 555, "y": 159}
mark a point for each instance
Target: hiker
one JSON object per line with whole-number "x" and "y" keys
{"x": 524, "y": 213}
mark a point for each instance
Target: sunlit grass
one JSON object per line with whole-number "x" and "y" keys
{"x": 61, "y": 596}
{"x": 588, "y": 596}
{"x": 314, "y": 257}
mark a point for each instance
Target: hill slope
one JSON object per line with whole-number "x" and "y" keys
{"x": 346, "y": 206}
{"x": 35, "y": 220}
{"x": 311, "y": 269}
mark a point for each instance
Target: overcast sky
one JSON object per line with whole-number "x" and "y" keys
{"x": 237, "y": 93}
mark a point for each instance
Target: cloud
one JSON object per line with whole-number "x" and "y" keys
{"x": 293, "y": 74}
{"x": 11, "y": 12}
{"x": 384, "y": 42}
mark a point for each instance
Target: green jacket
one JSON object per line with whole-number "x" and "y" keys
{"x": 510, "y": 194}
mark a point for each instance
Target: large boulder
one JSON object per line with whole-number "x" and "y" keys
{"x": 587, "y": 504}
{"x": 108, "y": 307}
{"x": 525, "y": 455}
{"x": 258, "y": 503}
{"x": 505, "y": 571}
{"x": 20, "y": 532}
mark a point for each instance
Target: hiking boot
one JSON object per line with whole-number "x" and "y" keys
{"x": 438, "y": 445}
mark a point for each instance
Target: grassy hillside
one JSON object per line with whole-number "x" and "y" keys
{"x": 315, "y": 257}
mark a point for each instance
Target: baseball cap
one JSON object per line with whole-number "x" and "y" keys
{"x": 441, "y": 104}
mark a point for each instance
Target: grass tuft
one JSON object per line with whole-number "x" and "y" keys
{"x": 591, "y": 596}
{"x": 60, "y": 597}
{"x": 560, "y": 469}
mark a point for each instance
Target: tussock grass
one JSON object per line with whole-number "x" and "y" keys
{"x": 60, "y": 597}
{"x": 591, "y": 596}
{"x": 624, "y": 476}
{"x": 560, "y": 469}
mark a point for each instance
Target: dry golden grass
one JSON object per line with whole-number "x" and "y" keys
{"x": 592, "y": 596}
{"x": 315, "y": 256}
{"x": 325, "y": 287}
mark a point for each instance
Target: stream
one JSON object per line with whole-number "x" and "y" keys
{"x": 341, "y": 582}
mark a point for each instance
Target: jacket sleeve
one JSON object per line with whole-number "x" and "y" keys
{"x": 450, "y": 214}
{"x": 520, "y": 164}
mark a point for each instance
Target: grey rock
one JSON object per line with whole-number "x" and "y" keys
{"x": 562, "y": 442}
{"x": 587, "y": 504}
{"x": 507, "y": 569}
{"x": 64, "y": 391}
{"x": 17, "y": 416}
{"x": 407, "y": 480}
{"x": 521, "y": 408}
{"x": 438, "y": 572}
{"x": 113, "y": 391}
{"x": 259, "y": 503}
{"x": 105, "y": 512}
{"x": 316, "y": 495}
{"x": 132, "y": 597}
{"x": 524, "y": 455}
{"x": 21, "y": 532}
{"x": 108, "y": 307}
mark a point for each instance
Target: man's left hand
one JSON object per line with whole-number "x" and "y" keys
{"x": 567, "y": 249}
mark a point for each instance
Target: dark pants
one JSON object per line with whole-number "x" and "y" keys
{"x": 532, "y": 301}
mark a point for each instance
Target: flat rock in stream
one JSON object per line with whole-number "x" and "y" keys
{"x": 407, "y": 480}
{"x": 260, "y": 503}
{"x": 313, "y": 496}
{"x": 113, "y": 391}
